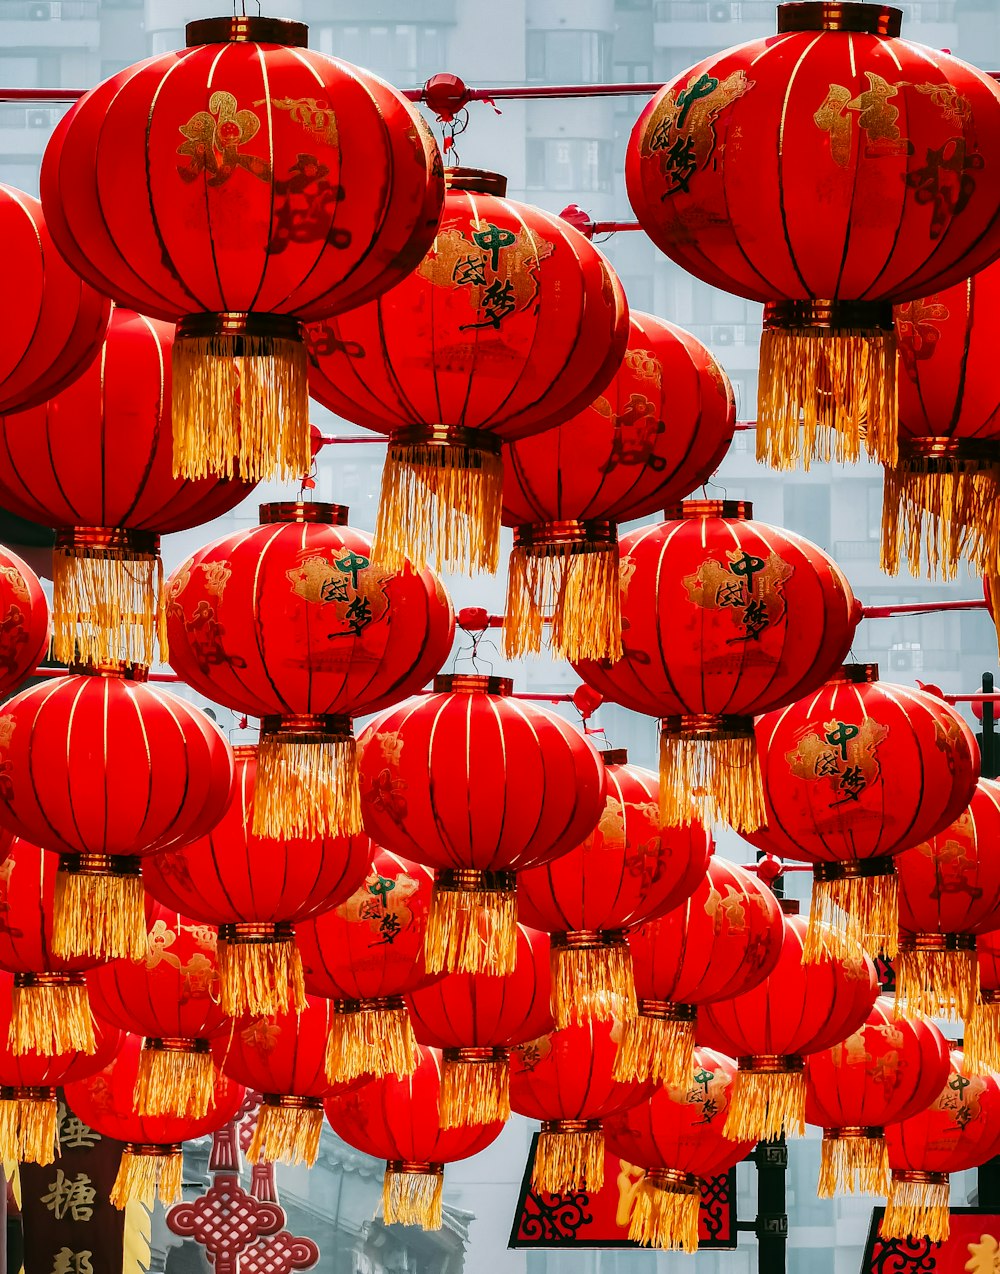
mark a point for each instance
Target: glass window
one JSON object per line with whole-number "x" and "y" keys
{"x": 807, "y": 511}
{"x": 568, "y": 57}
{"x": 401, "y": 52}
{"x": 571, "y": 165}
{"x": 19, "y": 71}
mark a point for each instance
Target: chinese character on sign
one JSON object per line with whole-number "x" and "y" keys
{"x": 74, "y": 1133}
{"x": 70, "y": 1262}
{"x": 72, "y": 1196}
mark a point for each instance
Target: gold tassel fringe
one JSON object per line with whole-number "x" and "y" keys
{"x": 107, "y": 605}
{"x": 717, "y": 780}
{"x": 439, "y": 506}
{"x": 917, "y": 1208}
{"x": 821, "y": 391}
{"x": 666, "y": 1217}
{"x": 655, "y": 1048}
{"x": 240, "y": 415}
{"x": 474, "y": 1092}
{"x": 592, "y": 982}
{"x": 981, "y": 1046}
{"x": 306, "y": 789}
{"x": 471, "y": 931}
{"x": 373, "y": 1042}
{"x": 51, "y": 1019}
{"x": 765, "y": 1105}
{"x": 99, "y": 915}
{"x": 992, "y": 581}
{"x": 935, "y": 520}
{"x": 852, "y": 912}
{"x": 935, "y": 983}
{"x": 29, "y": 1129}
{"x": 412, "y": 1198}
{"x": 569, "y": 1161}
{"x": 175, "y": 1082}
{"x": 853, "y": 1165}
{"x": 286, "y": 1134}
{"x": 577, "y": 589}
{"x": 147, "y": 1177}
{"x": 258, "y": 979}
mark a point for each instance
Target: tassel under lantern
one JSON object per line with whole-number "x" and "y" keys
{"x": 307, "y": 778}
{"x": 371, "y": 1037}
{"x": 148, "y": 1173}
{"x": 853, "y": 1161}
{"x": 854, "y": 904}
{"x": 175, "y": 1077}
{"x": 709, "y": 769}
{"x": 917, "y": 1205}
{"x": 29, "y": 1125}
{"x": 411, "y": 1194}
{"x": 287, "y": 1131}
{"x": 592, "y": 977}
{"x": 99, "y": 907}
{"x": 937, "y": 975}
{"x": 472, "y": 922}
{"x": 827, "y": 383}
{"x": 569, "y": 1156}
{"x": 475, "y": 1086}
{"x": 981, "y": 1046}
{"x": 657, "y": 1044}
{"x": 260, "y": 969}
{"x": 665, "y": 1211}
{"x": 768, "y": 1101}
{"x": 50, "y": 1013}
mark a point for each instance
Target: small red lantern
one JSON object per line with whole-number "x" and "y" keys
{"x": 152, "y": 1160}
{"x": 171, "y": 998}
{"x": 478, "y": 785}
{"x": 949, "y": 890}
{"x": 959, "y": 1130}
{"x": 676, "y": 1137}
{"x": 722, "y": 942}
{"x": 628, "y": 869}
{"x": 566, "y": 1080}
{"x": 290, "y": 622}
{"x": 243, "y": 185}
{"x": 885, "y": 1072}
{"x": 476, "y": 1019}
{"x": 25, "y": 625}
{"x": 95, "y": 462}
{"x": 53, "y": 323}
{"x": 723, "y": 618}
{"x": 828, "y": 171}
{"x": 395, "y": 1118}
{"x": 103, "y": 769}
{"x": 982, "y": 1031}
{"x": 365, "y": 955}
{"x": 853, "y": 775}
{"x": 797, "y": 1009}
{"x": 656, "y": 433}
{"x": 512, "y": 323}
{"x": 256, "y": 889}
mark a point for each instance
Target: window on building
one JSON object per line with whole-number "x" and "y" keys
{"x": 19, "y": 72}
{"x": 571, "y": 165}
{"x": 633, "y": 73}
{"x": 398, "y": 51}
{"x": 568, "y": 57}
{"x": 807, "y": 511}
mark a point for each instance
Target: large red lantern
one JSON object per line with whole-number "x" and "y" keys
{"x": 395, "y": 1118}
{"x": 512, "y": 323}
{"x": 566, "y": 1080}
{"x": 723, "y": 618}
{"x": 853, "y": 775}
{"x": 170, "y": 997}
{"x": 256, "y": 889}
{"x": 982, "y": 1031}
{"x": 53, "y": 323}
{"x": 949, "y": 890}
{"x": 478, "y": 785}
{"x": 655, "y": 434}
{"x": 95, "y": 462}
{"x": 104, "y": 769}
{"x": 25, "y": 626}
{"x": 628, "y": 869}
{"x": 885, "y": 1072}
{"x": 828, "y": 171}
{"x": 676, "y": 1137}
{"x": 151, "y": 1163}
{"x": 243, "y": 186}
{"x": 291, "y": 622}
{"x": 959, "y": 1130}
{"x": 365, "y": 955}
{"x": 476, "y": 1019}
{"x": 798, "y": 1009}
{"x": 722, "y": 942}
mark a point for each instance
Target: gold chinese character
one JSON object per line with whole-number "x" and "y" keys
{"x": 74, "y": 1133}
{"x": 70, "y": 1262}
{"x": 70, "y": 1195}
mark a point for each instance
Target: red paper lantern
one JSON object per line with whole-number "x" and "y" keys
{"x": 25, "y": 625}
{"x": 676, "y": 1137}
{"x": 566, "y": 1080}
{"x": 53, "y": 323}
{"x": 512, "y": 323}
{"x": 723, "y": 618}
{"x": 478, "y": 785}
{"x": 829, "y": 171}
{"x": 95, "y": 462}
{"x": 722, "y": 942}
{"x": 103, "y": 769}
{"x": 256, "y": 889}
{"x": 959, "y": 1130}
{"x": 627, "y": 870}
{"x": 242, "y": 222}
{"x": 290, "y": 622}
{"x": 982, "y": 1031}
{"x": 798, "y": 1009}
{"x": 853, "y": 775}
{"x": 656, "y": 433}
{"x": 395, "y": 1118}
{"x": 151, "y": 1163}
{"x": 170, "y": 997}
{"x": 887, "y": 1071}
{"x": 476, "y": 1019}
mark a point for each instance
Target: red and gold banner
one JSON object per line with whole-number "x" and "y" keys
{"x": 972, "y": 1247}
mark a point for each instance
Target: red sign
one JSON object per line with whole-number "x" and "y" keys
{"x": 973, "y": 1247}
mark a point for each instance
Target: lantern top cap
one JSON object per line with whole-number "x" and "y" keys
{"x": 242, "y": 29}
{"x": 615, "y": 756}
{"x": 692, "y": 510}
{"x": 115, "y": 670}
{"x": 858, "y": 674}
{"x": 467, "y": 683}
{"x": 829, "y": 15}
{"x": 478, "y": 180}
{"x": 304, "y": 511}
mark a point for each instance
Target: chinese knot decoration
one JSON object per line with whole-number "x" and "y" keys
{"x": 242, "y": 186}
{"x": 829, "y": 171}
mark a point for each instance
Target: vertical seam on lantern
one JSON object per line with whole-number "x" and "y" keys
{"x": 179, "y": 485}
{"x": 668, "y": 538}
{"x": 266, "y": 88}
{"x": 256, "y": 626}
{"x": 781, "y": 151}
